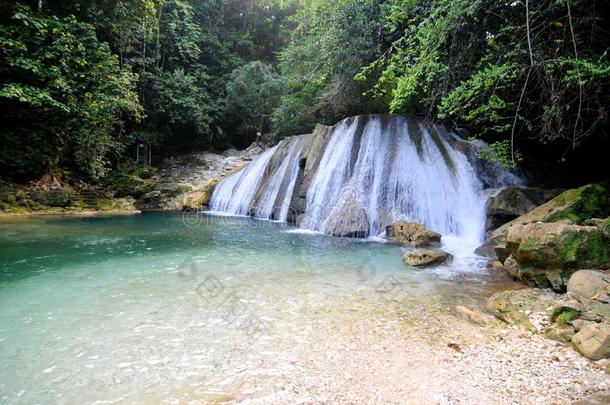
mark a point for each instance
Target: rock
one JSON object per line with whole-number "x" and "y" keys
{"x": 187, "y": 181}
{"x": 512, "y": 202}
{"x": 486, "y": 250}
{"x": 575, "y": 205}
{"x": 599, "y": 398}
{"x": 593, "y": 341}
{"x": 426, "y": 257}
{"x": 349, "y": 218}
{"x": 412, "y": 234}
{"x": 474, "y": 316}
{"x": 578, "y": 324}
{"x": 531, "y": 308}
{"x": 590, "y": 284}
{"x": 592, "y": 310}
{"x": 559, "y": 332}
{"x": 546, "y": 254}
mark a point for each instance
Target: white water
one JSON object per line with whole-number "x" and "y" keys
{"x": 260, "y": 189}
{"x": 376, "y": 168}
{"x": 392, "y": 181}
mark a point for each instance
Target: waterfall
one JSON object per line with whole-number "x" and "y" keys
{"x": 265, "y": 187}
{"x": 361, "y": 175}
{"x": 390, "y": 168}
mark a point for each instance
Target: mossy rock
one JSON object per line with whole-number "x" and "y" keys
{"x": 546, "y": 254}
{"x": 578, "y": 205}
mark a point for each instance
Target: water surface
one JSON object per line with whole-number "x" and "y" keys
{"x": 161, "y": 308}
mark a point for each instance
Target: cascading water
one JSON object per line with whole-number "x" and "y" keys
{"x": 393, "y": 168}
{"x": 369, "y": 171}
{"x": 265, "y": 187}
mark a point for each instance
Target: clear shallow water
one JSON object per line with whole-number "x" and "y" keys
{"x": 160, "y": 308}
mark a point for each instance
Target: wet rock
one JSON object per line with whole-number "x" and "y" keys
{"x": 512, "y": 202}
{"x": 426, "y": 257}
{"x": 349, "y": 218}
{"x": 546, "y": 254}
{"x": 412, "y": 234}
{"x": 590, "y": 284}
{"x": 473, "y": 316}
{"x": 593, "y": 341}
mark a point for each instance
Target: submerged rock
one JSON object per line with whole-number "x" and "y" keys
{"x": 426, "y": 257}
{"x": 412, "y": 234}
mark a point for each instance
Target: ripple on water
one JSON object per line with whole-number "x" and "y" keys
{"x": 216, "y": 313}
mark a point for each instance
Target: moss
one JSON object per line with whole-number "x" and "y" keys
{"x": 584, "y": 249}
{"x": 563, "y": 315}
{"x": 590, "y": 201}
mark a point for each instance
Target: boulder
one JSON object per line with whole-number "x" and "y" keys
{"x": 590, "y": 284}
{"x": 412, "y": 234}
{"x": 348, "y": 218}
{"x": 546, "y": 254}
{"x": 593, "y": 341}
{"x": 512, "y": 202}
{"x": 576, "y": 205}
{"x": 426, "y": 257}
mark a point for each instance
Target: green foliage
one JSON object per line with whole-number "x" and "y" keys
{"x": 185, "y": 102}
{"x": 564, "y": 315}
{"x": 253, "y": 92}
{"x": 330, "y": 43}
{"x": 63, "y": 96}
{"x": 500, "y": 153}
{"x": 471, "y": 62}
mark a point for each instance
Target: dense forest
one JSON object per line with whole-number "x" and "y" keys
{"x": 82, "y": 81}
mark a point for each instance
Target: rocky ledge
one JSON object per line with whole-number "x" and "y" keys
{"x": 581, "y": 316}
{"x": 188, "y": 181}
{"x": 561, "y": 249}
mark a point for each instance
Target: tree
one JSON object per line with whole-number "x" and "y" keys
{"x": 508, "y": 70}
{"x": 64, "y": 98}
{"x": 183, "y": 100}
{"x": 330, "y": 44}
{"x": 253, "y": 92}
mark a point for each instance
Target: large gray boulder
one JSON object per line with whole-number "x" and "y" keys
{"x": 348, "y": 218}
{"x": 547, "y": 254}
